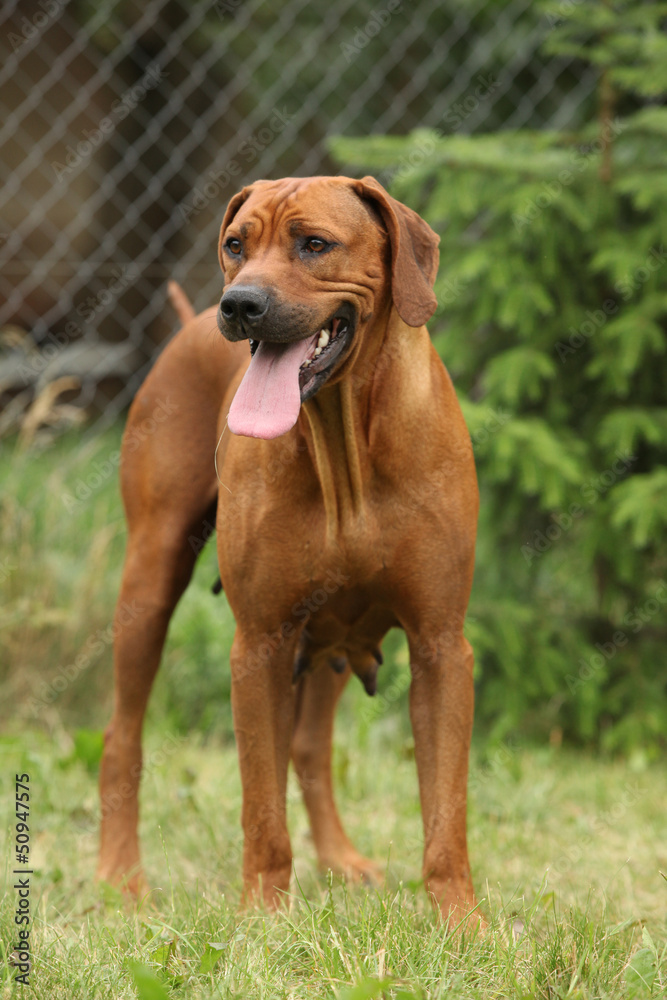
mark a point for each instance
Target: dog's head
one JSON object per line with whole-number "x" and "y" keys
{"x": 308, "y": 264}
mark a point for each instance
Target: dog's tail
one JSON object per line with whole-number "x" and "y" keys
{"x": 180, "y": 302}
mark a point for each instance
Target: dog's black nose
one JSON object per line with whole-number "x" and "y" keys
{"x": 244, "y": 304}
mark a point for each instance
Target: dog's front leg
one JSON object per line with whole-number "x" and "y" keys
{"x": 263, "y": 703}
{"x": 441, "y": 711}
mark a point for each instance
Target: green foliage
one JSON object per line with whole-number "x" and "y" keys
{"x": 88, "y": 747}
{"x": 212, "y": 954}
{"x": 643, "y": 969}
{"x": 552, "y": 321}
{"x": 367, "y": 989}
{"x": 148, "y": 985}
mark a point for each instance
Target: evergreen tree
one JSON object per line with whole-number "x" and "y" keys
{"x": 553, "y": 323}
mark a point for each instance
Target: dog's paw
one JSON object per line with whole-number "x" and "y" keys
{"x": 458, "y": 907}
{"x": 354, "y": 868}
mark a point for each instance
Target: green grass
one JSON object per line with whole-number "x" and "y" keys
{"x": 60, "y": 571}
{"x": 566, "y": 853}
{"x": 566, "y": 849}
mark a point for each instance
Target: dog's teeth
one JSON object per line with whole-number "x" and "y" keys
{"x": 318, "y": 351}
{"x": 323, "y": 339}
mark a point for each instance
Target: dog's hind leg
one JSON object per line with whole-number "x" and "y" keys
{"x": 317, "y": 697}
{"x": 169, "y": 490}
{"x": 157, "y": 570}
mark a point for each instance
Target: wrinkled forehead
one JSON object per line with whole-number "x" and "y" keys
{"x": 301, "y": 205}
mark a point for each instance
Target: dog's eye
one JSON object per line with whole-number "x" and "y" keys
{"x": 234, "y": 246}
{"x": 315, "y": 245}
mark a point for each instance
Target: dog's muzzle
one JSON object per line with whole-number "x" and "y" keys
{"x": 287, "y": 368}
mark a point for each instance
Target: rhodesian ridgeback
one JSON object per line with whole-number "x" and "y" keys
{"x": 310, "y": 415}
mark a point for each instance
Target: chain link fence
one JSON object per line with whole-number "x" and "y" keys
{"x": 127, "y": 126}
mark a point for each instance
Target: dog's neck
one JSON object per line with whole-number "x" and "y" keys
{"x": 336, "y": 442}
{"x": 338, "y": 423}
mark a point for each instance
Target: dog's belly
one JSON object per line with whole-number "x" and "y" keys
{"x": 348, "y": 627}
{"x": 347, "y": 622}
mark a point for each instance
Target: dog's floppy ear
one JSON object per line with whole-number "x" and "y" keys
{"x": 414, "y": 254}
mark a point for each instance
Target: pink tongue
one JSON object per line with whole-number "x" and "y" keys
{"x": 267, "y": 402}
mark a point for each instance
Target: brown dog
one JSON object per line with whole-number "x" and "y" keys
{"x": 347, "y": 505}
